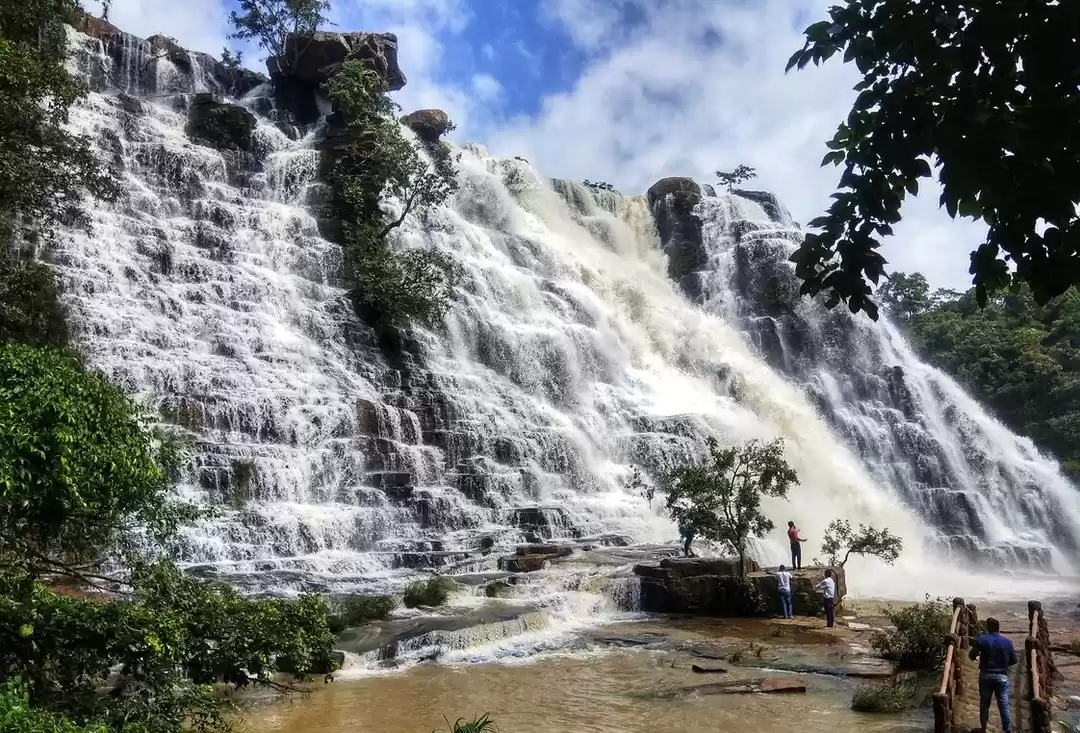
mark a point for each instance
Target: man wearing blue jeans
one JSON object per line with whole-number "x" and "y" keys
{"x": 783, "y": 584}
{"x": 995, "y": 654}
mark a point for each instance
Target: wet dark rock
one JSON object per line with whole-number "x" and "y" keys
{"x": 774, "y": 208}
{"x": 220, "y": 125}
{"x": 310, "y": 59}
{"x": 524, "y": 563}
{"x": 428, "y": 124}
{"x": 672, "y": 201}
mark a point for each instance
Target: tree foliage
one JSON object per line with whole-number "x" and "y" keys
{"x": 30, "y": 308}
{"x": 987, "y": 93}
{"x": 1020, "y": 359}
{"x": 721, "y": 498}
{"x": 271, "y": 23}
{"x": 85, "y": 489}
{"x": 45, "y": 169}
{"x": 731, "y": 179}
{"x": 81, "y": 466}
{"x": 378, "y": 161}
{"x": 839, "y": 538}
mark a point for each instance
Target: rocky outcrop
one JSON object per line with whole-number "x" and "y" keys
{"x": 310, "y": 59}
{"x": 428, "y": 124}
{"x": 155, "y": 66}
{"x": 532, "y": 557}
{"x": 220, "y": 125}
{"x": 711, "y": 587}
{"x": 672, "y": 201}
{"x": 774, "y": 208}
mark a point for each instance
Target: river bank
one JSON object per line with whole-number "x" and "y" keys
{"x": 637, "y": 673}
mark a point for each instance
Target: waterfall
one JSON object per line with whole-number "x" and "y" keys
{"x": 569, "y": 356}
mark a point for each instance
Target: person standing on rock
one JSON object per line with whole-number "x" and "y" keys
{"x": 828, "y": 596}
{"x": 796, "y": 547}
{"x": 995, "y": 654}
{"x": 687, "y": 534}
{"x": 783, "y": 584}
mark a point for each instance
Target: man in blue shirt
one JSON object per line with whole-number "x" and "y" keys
{"x": 995, "y": 654}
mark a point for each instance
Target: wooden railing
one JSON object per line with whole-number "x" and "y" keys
{"x": 964, "y": 623}
{"x": 1040, "y": 668}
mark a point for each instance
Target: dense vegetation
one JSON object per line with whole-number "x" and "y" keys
{"x": 1019, "y": 358}
{"x": 986, "y": 93}
{"x": 378, "y": 160}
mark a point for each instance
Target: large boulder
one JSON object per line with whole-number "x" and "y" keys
{"x": 320, "y": 55}
{"x": 672, "y": 201}
{"x": 428, "y": 124}
{"x": 220, "y": 125}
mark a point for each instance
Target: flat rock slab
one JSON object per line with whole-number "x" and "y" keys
{"x": 767, "y": 685}
{"x": 862, "y": 669}
{"x": 629, "y": 639}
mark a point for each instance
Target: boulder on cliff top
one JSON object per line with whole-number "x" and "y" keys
{"x": 428, "y": 124}
{"x": 223, "y": 126}
{"x": 769, "y": 202}
{"x": 674, "y": 185}
{"x": 320, "y": 55}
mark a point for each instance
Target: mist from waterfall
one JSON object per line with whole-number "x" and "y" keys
{"x": 568, "y": 357}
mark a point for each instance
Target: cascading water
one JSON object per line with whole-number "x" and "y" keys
{"x": 568, "y": 356}
{"x": 990, "y": 494}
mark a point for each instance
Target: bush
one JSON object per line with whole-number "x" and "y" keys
{"x": 886, "y": 697}
{"x": 360, "y": 610}
{"x": 431, "y": 592}
{"x": 918, "y": 639}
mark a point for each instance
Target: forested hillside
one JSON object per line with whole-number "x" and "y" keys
{"x": 1018, "y": 358}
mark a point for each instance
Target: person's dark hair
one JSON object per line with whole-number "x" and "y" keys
{"x": 828, "y": 573}
{"x": 992, "y": 625}
{"x": 782, "y": 568}
{"x": 791, "y": 524}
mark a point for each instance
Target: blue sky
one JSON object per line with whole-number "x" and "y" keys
{"x": 626, "y": 91}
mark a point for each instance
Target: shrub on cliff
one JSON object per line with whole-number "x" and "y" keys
{"x": 721, "y": 498}
{"x": 917, "y": 640}
{"x": 360, "y": 610}
{"x": 377, "y": 161}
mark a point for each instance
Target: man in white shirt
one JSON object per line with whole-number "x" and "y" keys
{"x": 828, "y": 595}
{"x": 783, "y": 584}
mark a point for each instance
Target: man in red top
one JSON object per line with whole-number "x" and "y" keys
{"x": 796, "y": 548}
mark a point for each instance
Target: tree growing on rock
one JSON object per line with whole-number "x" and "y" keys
{"x": 839, "y": 538}
{"x": 721, "y": 498}
{"x": 731, "y": 179}
{"x": 986, "y": 94}
{"x": 271, "y": 22}
{"x": 377, "y": 161}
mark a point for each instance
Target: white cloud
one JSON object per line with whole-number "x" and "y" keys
{"x": 487, "y": 87}
{"x": 696, "y": 85}
{"x": 488, "y": 51}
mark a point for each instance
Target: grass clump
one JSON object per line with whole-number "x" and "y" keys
{"x": 359, "y": 610}
{"x": 431, "y": 592}
{"x": 917, "y": 641}
{"x": 886, "y": 697}
{"x": 483, "y": 724}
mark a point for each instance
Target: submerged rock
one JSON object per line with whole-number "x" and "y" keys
{"x": 749, "y": 687}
